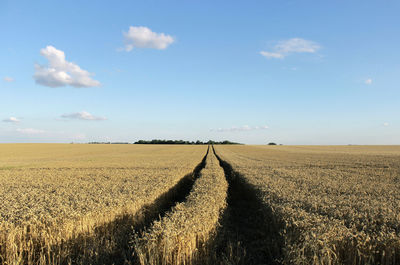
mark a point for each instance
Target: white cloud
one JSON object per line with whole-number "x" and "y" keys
{"x": 368, "y": 81}
{"x": 60, "y": 72}
{"x": 385, "y": 124}
{"x": 143, "y": 37}
{"x": 11, "y": 119}
{"x": 8, "y": 79}
{"x": 297, "y": 45}
{"x": 272, "y": 55}
{"x": 240, "y": 129}
{"x": 30, "y": 131}
{"x": 294, "y": 45}
{"x": 83, "y": 115}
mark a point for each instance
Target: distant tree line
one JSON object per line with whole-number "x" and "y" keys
{"x": 156, "y": 141}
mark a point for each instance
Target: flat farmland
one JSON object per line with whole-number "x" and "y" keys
{"x": 53, "y": 194}
{"x": 180, "y": 204}
{"x": 330, "y": 204}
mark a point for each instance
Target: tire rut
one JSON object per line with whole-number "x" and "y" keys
{"x": 120, "y": 232}
{"x": 249, "y": 232}
{"x": 166, "y": 201}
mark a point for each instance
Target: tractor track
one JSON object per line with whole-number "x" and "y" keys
{"x": 121, "y": 231}
{"x": 249, "y": 232}
{"x": 174, "y": 195}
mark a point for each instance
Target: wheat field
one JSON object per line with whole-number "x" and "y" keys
{"x": 171, "y": 204}
{"x": 181, "y": 237}
{"x": 55, "y": 198}
{"x": 332, "y": 204}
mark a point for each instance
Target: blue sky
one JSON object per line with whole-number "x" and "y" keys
{"x": 292, "y": 72}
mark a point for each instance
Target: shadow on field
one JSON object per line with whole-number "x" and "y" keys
{"x": 111, "y": 243}
{"x": 249, "y": 232}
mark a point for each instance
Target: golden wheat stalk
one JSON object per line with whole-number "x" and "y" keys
{"x": 182, "y": 235}
{"x": 338, "y": 205}
{"x": 81, "y": 208}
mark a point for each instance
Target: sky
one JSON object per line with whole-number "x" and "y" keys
{"x": 290, "y": 72}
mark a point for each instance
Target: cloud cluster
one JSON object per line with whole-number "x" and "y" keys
{"x": 143, "y": 37}
{"x": 287, "y": 47}
{"x": 83, "y": 115}
{"x": 8, "y": 79}
{"x": 240, "y": 129}
{"x": 11, "y": 119}
{"x": 60, "y": 72}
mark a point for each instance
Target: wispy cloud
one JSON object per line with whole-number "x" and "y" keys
{"x": 368, "y": 81}
{"x": 386, "y": 124}
{"x": 8, "y": 79}
{"x": 143, "y": 37}
{"x": 60, "y": 72}
{"x": 240, "y": 129}
{"x": 287, "y": 47}
{"x": 11, "y": 119}
{"x": 83, "y": 115}
{"x": 272, "y": 54}
{"x": 30, "y": 131}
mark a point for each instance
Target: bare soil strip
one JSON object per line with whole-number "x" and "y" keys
{"x": 249, "y": 232}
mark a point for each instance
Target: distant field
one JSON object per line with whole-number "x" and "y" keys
{"x": 169, "y": 204}
{"x": 343, "y": 149}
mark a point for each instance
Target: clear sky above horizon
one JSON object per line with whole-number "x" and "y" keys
{"x": 291, "y": 72}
